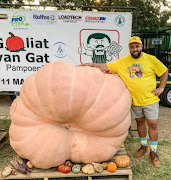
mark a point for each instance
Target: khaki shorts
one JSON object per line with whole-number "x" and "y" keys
{"x": 150, "y": 111}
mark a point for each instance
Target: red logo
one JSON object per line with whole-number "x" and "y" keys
{"x": 14, "y": 43}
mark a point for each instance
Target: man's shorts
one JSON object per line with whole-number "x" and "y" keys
{"x": 150, "y": 111}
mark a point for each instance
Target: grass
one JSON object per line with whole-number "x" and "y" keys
{"x": 142, "y": 168}
{"x": 6, "y": 153}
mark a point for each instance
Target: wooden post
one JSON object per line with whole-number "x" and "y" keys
{"x": 89, "y": 178}
{"x": 130, "y": 176}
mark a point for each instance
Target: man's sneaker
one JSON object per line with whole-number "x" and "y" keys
{"x": 140, "y": 152}
{"x": 154, "y": 159}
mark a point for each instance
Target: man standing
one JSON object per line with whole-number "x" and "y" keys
{"x": 138, "y": 70}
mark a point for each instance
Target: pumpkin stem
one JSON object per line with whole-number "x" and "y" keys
{"x": 67, "y": 126}
{"x": 12, "y": 35}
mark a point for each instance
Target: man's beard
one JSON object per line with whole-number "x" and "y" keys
{"x": 136, "y": 56}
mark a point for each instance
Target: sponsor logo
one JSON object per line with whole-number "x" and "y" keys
{"x": 119, "y": 20}
{"x": 19, "y": 20}
{"x": 60, "y": 49}
{"x": 47, "y": 18}
{"x": 95, "y": 19}
{"x": 3, "y": 16}
{"x": 70, "y": 18}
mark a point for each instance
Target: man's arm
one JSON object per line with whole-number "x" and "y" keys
{"x": 101, "y": 66}
{"x": 163, "y": 80}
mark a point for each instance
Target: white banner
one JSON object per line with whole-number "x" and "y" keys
{"x": 30, "y": 39}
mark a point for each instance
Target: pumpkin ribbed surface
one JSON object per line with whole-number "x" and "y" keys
{"x": 69, "y": 113}
{"x": 122, "y": 161}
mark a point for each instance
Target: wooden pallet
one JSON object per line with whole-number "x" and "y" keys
{"x": 120, "y": 173}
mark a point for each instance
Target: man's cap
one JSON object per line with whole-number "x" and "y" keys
{"x": 135, "y": 39}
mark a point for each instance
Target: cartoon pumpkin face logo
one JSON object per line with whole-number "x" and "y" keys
{"x": 14, "y": 43}
{"x": 135, "y": 71}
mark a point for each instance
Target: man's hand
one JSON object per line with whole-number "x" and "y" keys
{"x": 158, "y": 91}
{"x": 101, "y": 66}
{"x": 163, "y": 80}
{"x": 86, "y": 64}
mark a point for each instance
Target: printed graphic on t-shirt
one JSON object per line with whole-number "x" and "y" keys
{"x": 135, "y": 71}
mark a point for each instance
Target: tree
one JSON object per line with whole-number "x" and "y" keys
{"x": 15, "y": 2}
{"x": 148, "y": 11}
{"x": 150, "y": 14}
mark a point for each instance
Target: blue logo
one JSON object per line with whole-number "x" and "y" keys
{"x": 19, "y": 20}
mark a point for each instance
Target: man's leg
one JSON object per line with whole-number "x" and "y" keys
{"x": 153, "y": 131}
{"x": 141, "y": 127}
{"x": 153, "y": 134}
{"x": 142, "y": 132}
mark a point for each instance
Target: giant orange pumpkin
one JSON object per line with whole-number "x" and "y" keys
{"x": 69, "y": 113}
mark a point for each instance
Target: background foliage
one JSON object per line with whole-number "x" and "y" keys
{"x": 149, "y": 11}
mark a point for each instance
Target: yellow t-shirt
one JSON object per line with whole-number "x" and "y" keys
{"x": 139, "y": 76}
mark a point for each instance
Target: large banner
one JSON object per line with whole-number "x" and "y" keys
{"x": 30, "y": 39}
